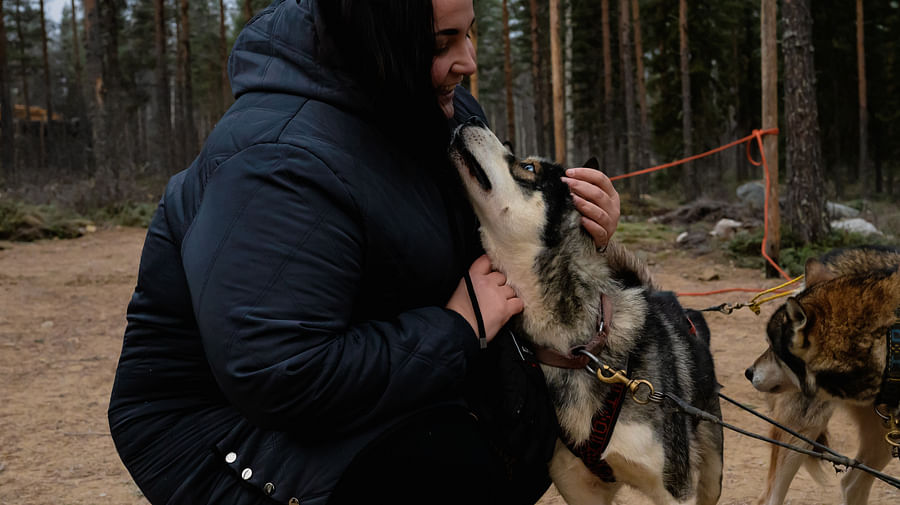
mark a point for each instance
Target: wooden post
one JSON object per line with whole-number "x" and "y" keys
{"x": 769, "y": 63}
{"x": 559, "y": 125}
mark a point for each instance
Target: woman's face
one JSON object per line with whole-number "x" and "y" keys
{"x": 454, "y": 57}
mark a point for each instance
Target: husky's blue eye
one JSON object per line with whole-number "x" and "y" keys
{"x": 529, "y": 167}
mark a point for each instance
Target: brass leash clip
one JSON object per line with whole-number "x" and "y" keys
{"x": 633, "y": 385}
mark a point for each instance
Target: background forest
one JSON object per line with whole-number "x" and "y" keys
{"x": 131, "y": 89}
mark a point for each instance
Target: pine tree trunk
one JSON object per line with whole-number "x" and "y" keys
{"x": 76, "y": 55}
{"x": 7, "y": 157}
{"x": 769, "y": 86}
{"x": 625, "y": 59}
{"x": 507, "y": 73}
{"x": 179, "y": 125}
{"x": 48, "y": 100}
{"x": 643, "y": 160}
{"x": 248, "y": 10}
{"x": 608, "y": 128}
{"x": 688, "y": 178}
{"x": 23, "y": 73}
{"x": 806, "y": 200}
{"x": 559, "y": 126}
{"x": 537, "y": 79}
{"x": 163, "y": 103}
{"x": 223, "y": 60}
{"x": 101, "y": 69}
{"x": 567, "y": 65}
{"x": 865, "y": 172}
{"x": 190, "y": 128}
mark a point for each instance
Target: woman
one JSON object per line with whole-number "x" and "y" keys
{"x": 300, "y": 331}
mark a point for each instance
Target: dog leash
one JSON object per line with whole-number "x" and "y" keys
{"x": 756, "y": 301}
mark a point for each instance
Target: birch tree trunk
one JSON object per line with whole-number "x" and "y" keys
{"x": 806, "y": 200}
{"x": 865, "y": 173}
{"x": 507, "y": 73}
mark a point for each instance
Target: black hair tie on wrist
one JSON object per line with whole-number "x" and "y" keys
{"x": 482, "y": 336}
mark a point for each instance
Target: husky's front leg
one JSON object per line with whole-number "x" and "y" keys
{"x": 873, "y": 451}
{"x": 575, "y": 483}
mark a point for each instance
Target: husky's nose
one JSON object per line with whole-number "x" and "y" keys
{"x": 748, "y": 373}
{"x": 475, "y": 121}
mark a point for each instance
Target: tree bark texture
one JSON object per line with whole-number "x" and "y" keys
{"x": 643, "y": 160}
{"x": 7, "y": 157}
{"x": 769, "y": 86}
{"x": 537, "y": 78}
{"x": 48, "y": 92}
{"x": 608, "y": 130}
{"x": 625, "y": 58}
{"x": 688, "y": 177}
{"x": 223, "y": 54}
{"x": 559, "y": 125}
{"x": 248, "y": 10}
{"x": 508, "y": 79}
{"x": 190, "y": 128}
{"x": 806, "y": 199}
{"x": 23, "y": 156}
{"x": 865, "y": 172}
{"x": 163, "y": 104}
{"x": 473, "y": 79}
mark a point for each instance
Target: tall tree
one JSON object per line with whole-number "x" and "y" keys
{"x": 223, "y": 59}
{"x": 76, "y": 48}
{"x": 23, "y": 64}
{"x": 864, "y": 172}
{"x": 806, "y": 200}
{"x": 608, "y": 129}
{"x": 689, "y": 182}
{"x": 162, "y": 101}
{"x": 187, "y": 86}
{"x": 625, "y": 60}
{"x": 473, "y": 79}
{"x": 769, "y": 84}
{"x": 536, "y": 77}
{"x": 6, "y": 109}
{"x": 559, "y": 126}
{"x": 248, "y": 10}
{"x": 643, "y": 159}
{"x": 507, "y": 72}
{"x": 48, "y": 94}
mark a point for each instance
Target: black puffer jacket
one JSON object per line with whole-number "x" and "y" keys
{"x": 289, "y": 305}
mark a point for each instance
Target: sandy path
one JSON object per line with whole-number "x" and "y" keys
{"x": 62, "y": 306}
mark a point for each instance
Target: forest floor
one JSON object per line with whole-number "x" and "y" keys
{"x": 62, "y": 314}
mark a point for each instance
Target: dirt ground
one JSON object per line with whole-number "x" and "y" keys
{"x": 62, "y": 307}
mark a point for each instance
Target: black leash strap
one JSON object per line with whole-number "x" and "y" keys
{"x": 838, "y": 460}
{"x": 482, "y": 335}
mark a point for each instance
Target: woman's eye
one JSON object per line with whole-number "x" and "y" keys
{"x": 529, "y": 167}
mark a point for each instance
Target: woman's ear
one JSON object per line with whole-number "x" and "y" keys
{"x": 592, "y": 163}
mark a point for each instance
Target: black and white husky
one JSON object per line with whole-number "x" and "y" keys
{"x": 573, "y": 294}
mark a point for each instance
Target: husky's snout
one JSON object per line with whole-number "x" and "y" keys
{"x": 470, "y": 144}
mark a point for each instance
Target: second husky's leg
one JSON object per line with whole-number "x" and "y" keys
{"x": 807, "y": 416}
{"x": 873, "y": 451}
{"x": 709, "y": 483}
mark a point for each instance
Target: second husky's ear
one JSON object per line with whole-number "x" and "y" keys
{"x": 817, "y": 272}
{"x": 797, "y": 317}
{"x": 592, "y": 163}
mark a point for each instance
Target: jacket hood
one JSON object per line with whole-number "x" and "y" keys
{"x": 284, "y": 49}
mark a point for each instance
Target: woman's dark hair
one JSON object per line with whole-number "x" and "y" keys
{"x": 388, "y": 46}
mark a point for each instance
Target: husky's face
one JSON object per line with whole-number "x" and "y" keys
{"x": 519, "y": 203}
{"x": 829, "y": 338}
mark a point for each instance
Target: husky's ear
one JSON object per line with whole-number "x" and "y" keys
{"x": 797, "y": 317}
{"x": 817, "y": 272}
{"x": 592, "y": 163}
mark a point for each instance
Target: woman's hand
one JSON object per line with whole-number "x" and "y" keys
{"x": 498, "y": 301}
{"x": 597, "y": 200}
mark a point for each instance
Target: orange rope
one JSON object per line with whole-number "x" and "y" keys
{"x": 758, "y": 135}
